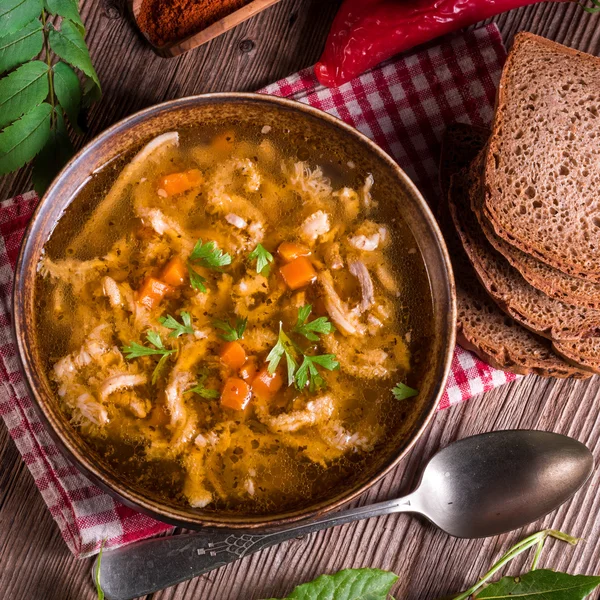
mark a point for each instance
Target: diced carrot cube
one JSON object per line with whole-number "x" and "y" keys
{"x": 152, "y": 292}
{"x": 265, "y": 385}
{"x": 236, "y": 394}
{"x": 249, "y": 369}
{"x": 233, "y": 354}
{"x": 174, "y": 272}
{"x": 290, "y": 250}
{"x": 298, "y": 273}
{"x": 177, "y": 183}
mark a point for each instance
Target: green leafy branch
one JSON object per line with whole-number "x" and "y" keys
{"x": 41, "y": 48}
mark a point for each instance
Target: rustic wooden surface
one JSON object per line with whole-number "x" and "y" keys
{"x": 35, "y": 563}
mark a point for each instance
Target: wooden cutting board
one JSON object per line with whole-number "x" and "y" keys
{"x": 201, "y": 37}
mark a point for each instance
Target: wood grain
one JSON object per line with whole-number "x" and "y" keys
{"x": 34, "y": 562}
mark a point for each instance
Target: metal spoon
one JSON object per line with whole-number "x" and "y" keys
{"x": 477, "y": 487}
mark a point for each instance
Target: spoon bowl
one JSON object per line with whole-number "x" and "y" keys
{"x": 477, "y": 487}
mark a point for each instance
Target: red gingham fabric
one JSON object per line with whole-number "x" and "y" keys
{"x": 404, "y": 105}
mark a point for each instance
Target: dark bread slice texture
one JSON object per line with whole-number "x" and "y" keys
{"x": 481, "y": 326}
{"x": 542, "y": 176}
{"x": 584, "y": 353}
{"x": 532, "y": 308}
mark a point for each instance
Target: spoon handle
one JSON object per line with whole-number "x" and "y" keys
{"x": 151, "y": 565}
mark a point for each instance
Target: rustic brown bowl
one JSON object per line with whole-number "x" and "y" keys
{"x": 306, "y": 126}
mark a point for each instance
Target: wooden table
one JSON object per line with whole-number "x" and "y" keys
{"x": 35, "y": 563}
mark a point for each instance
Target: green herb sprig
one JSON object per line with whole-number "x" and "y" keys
{"x": 205, "y": 255}
{"x": 203, "y": 391}
{"x": 309, "y": 330}
{"x": 232, "y": 333}
{"x": 178, "y": 328}
{"x": 135, "y": 350}
{"x": 262, "y": 257}
{"x": 402, "y": 391}
{"x": 37, "y": 92}
{"x": 307, "y": 373}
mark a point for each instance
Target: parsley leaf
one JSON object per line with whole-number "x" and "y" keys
{"x": 308, "y": 373}
{"x": 196, "y": 280}
{"x": 178, "y": 329}
{"x": 135, "y": 350}
{"x": 284, "y": 347}
{"x": 310, "y": 330}
{"x": 202, "y": 391}
{"x": 262, "y": 257}
{"x": 208, "y": 255}
{"x": 232, "y": 333}
{"x": 402, "y": 391}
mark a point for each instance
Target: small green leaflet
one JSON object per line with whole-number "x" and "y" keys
{"x": 135, "y": 350}
{"x": 202, "y": 391}
{"x": 262, "y": 257}
{"x": 208, "y": 255}
{"x": 401, "y": 391}
{"x": 178, "y": 329}
{"x": 349, "y": 584}
{"x": 68, "y": 91}
{"x": 284, "y": 347}
{"x": 22, "y": 90}
{"x": 310, "y": 330}
{"x": 22, "y": 140}
{"x": 15, "y": 14}
{"x": 68, "y": 9}
{"x": 196, "y": 280}
{"x": 231, "y": 333}
{"x": 542, "y": 583}
{"x": 307, "y": 373}
{"x": 52, "y": 157}
{"x": 20, "y": 46}
{"x": 99, "y": 590}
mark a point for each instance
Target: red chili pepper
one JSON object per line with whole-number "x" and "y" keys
{"x": 367, "y": 32}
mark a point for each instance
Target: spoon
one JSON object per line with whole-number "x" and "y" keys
{"x": 477, "y": 487}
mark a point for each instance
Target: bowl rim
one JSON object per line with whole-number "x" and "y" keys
{"x": 147, "y": 505}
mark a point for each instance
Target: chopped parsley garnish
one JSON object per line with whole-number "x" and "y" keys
{"x": 203, "y": 391}
{"x": 284, "y": 347}
{"x": 178, "y": 329}
{"x": 307, "y": 373}
{"x": 401, "y": 391}
{"x": 231, "y": 333}
{"x": 205, "y": 255}
{"x": 135, "y": 350}
{"x": 309, "y": 330}
{"x": 262, "y": 257}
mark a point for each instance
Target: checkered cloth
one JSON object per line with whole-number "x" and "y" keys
{"x": 404, "y": 106}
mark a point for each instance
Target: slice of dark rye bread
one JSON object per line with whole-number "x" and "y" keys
{"x": 535, "y": 310}
{"x": 542, "y": 172}
{"x": 481, "y": 326}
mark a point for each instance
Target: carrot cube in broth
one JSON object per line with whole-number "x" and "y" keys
{"x": 249, "y": 369}
{"x": 265, "y": 385}
{"x": 177, "y": 183}
{"x": 152, "y": 292}
{"x": 298, "y": 273}
{"x": 290, "y": 250}
{"x": 236, "y": 394}
{"x": 233, "y": 355}
{"x": 174, "y": 272}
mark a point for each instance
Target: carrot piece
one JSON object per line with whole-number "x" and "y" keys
{"x": 233, "y": 354}
{"x": 298, "y": 273}
{"x": 174, "y": 272}
{"x": 236, "y": 394}
{"x": 290, "y": 250}
{"x": 152, "y": 292}
{"x": 265, "y": 385}
{"x": 177, "y": 183}
{"x": 249, "y": 369}
{"x": 224, "y": 142}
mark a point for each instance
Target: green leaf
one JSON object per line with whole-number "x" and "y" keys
{"x": 22, "y": 140}
{"x": 262, "y": 257}
{"x": 53, "y": 156}
{"x": 159, "y": 367}
{"x": 205, "y": 392}
{"x": 68, "y": 9}
{"x": 231, "y": 333}
{"x": 310, "y": 330}
{"x": 196, "y": 280}
{"x": 68, "y": 43}
{"x": 68, "y": 91}
{"x": 402, "y": 391}
{"x": 178, "y": 329}
{"x": 308, "y": 373}
{"x": 208, "y": 255}
{"x": 542, "y": 583}
{"x": 22, "y": 91}
{"x": 91, "y": 93}
{"x": 154, "y": 338}
{"x": 15, "y": 14}
{"x": 284, "y": 347}
{"x": 99, "y": 590}
{"x": 349, "y": 584}
{"x": 20, "y": 46}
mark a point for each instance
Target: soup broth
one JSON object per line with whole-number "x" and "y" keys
{"x": 233, "y": 323}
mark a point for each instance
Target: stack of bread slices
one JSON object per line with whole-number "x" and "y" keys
{"x": 522, "y": 217}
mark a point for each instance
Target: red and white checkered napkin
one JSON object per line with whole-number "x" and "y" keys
{"x": 404, "y": 106}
